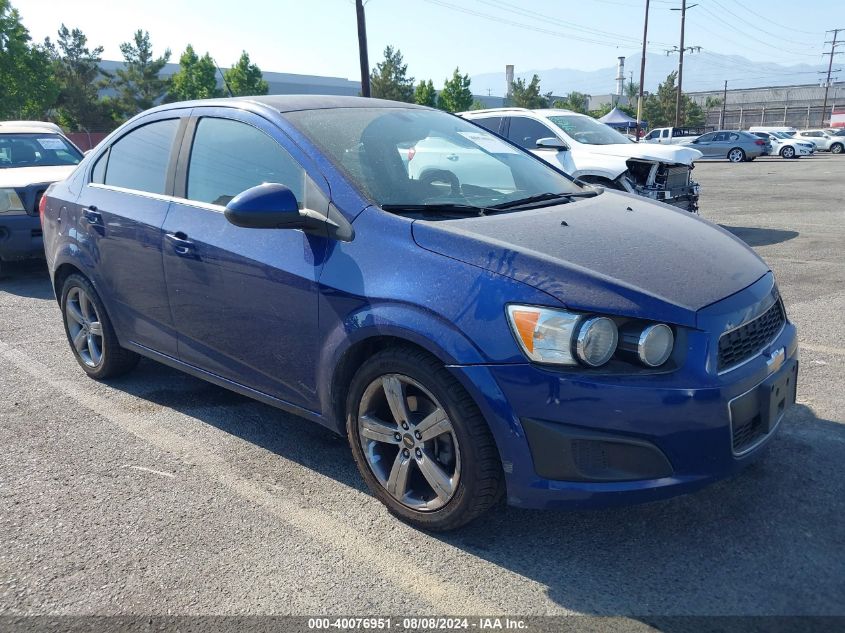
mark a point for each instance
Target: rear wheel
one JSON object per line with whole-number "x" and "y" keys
{"x": 788, "y": 152}
{"x": 420, "y": 442}
{"x": 836, "y": 148}
{"x": 736, "y": 155}
{"x": 90, "y": 332}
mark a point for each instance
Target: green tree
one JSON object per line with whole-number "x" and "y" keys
{"x": 477, "y": 105}
{"x": 28, "y": 88}
{"x": 196, "y": 79}
{"x": 456, "y": 95}
{"x": 389, "y": 79}
{"x": 76, "y": 69}
{"x": 425, "y": 94}
{"x": 528, "y": 95}
{"x": 245, "y": 78}
{"x": 137, "y": 85}
{"x": 659, "y": 107}
{"x": 575, "y": 101}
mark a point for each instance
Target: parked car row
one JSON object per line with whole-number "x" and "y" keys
{"x": 475, "y": 321}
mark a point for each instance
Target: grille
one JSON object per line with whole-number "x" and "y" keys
{"x": 677, "y": 177}
{"x": 747, "y": 340}
{"x": 746, "y": 434}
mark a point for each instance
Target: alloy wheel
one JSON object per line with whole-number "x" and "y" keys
{"x": 836, "y": 148}
{"x": 84, "y": 326}
{"x": 788, "y": 152}
{"x": 736, "y": 156}
{"x": 409, "y": 442}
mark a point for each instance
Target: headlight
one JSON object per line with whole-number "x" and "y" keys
{"x": 10, "y": 202}
{"x": 545, "y": 335}
{"x": 596, "y": 341}
{"x": 560, "y": 337}
{"x": 655, "y": 345}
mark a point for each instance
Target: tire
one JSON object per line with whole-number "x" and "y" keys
{"x": 736, "y": 155}
{"x": 96, "y": 348}
{"x": 444, "y": 439}
{"x": 837, "y": 148}
{"x": 787, "y": 152}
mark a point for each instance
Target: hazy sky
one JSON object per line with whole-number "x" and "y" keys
{"x": 319, "y": 36}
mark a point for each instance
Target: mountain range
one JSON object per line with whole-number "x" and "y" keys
{"x": 702, "y": 71}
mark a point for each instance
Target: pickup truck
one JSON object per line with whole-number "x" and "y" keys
{"x": 673, "y": 135}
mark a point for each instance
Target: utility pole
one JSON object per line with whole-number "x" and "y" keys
{"x": 362, "y": 49}
{"x": 679, "y": 96}
{"x": 642, "y": 73}
{"x": 833, "y": 51}
{"x": 724, "y": 101}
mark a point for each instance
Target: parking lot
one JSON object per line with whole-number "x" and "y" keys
{"x": 160, "y": 494}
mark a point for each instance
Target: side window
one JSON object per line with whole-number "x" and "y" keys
{"x": 229, "y": 157}
{"x": 98, "y": 174}
{"x": 492, "y": 123}
{"x": 140, "y": 159}
{"x": 666, "y": 133}
{"x": 525, "y": 132}
{"x": 706, "y": 138}
{"x": 721, "y": 136}
{"x": 651, "y": 135}
{"x": 733, "y": 137}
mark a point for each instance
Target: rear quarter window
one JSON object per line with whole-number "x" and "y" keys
{"x": 140, "y": 159}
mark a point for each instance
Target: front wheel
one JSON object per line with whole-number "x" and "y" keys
{"x": 736, "y": 155}
{"x": 420, "y": 442}
{"x": 788, "y": 152}
{"x": 836, "y": 148}
{"x": 90, "y": 332}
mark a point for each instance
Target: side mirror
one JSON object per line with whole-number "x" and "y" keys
{"x": 552, "y": 143}
{"x": 269, "y": 206}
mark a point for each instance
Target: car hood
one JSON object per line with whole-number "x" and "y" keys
{"x": 647, "y": 151}
{"x": 616, "y": 253}
{"x": 23, "y": 176}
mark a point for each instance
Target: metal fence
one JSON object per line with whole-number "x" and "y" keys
{"x": 740, "y": 118}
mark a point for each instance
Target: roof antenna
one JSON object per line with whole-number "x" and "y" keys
{"x": 223, "y": 77}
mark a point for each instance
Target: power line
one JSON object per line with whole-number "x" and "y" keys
{"x": 763, "y": 17}
{"x": 779, "y": 37}
{"x": 833, "y": 51}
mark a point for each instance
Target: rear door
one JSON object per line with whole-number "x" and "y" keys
{"x": 244, "y": 301}
{"x": 118, "y": 219}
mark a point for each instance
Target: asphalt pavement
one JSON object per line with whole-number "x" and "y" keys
{"x": 159, "y": 494}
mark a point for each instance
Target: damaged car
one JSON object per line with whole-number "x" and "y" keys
{"x": 595, "y": 153}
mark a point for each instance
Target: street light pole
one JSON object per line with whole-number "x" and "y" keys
{"x": 724, "y": 102}
{"x": 680, "y": 66}
{"x": 362, "y": 49}
{"x": 642, "y": 73}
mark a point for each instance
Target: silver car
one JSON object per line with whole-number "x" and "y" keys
{"x": 735, "y": 145}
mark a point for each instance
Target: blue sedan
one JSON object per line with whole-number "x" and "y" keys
{"x": 474, "y": 337}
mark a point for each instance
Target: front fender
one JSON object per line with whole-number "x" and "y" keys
{"x": 405, "y": 322}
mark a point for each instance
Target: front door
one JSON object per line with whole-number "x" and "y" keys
{"x": 244, "y": 301}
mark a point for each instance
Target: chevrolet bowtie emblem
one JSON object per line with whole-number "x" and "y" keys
{"x": 775, "y": 359}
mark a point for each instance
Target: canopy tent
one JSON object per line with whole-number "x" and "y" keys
{"x": 617, "y": 118}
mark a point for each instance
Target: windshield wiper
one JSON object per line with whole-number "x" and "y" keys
{"x": 464, "y": 209}
{"x": 544, "y": 197}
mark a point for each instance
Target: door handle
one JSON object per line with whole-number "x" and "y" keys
{"x": 452, "y": 157}
{"x": 92, "y": 216}
{"x": 181, "y": 244}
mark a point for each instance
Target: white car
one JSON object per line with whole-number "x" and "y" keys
{"x": 595, "y": 153}
{"x": 33, "y": 155}
{"x": 823, "y": 141}
{"x": 785, "y": 145}
{"x": 673, "y": 135}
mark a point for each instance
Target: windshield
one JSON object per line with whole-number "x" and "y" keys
{"x": 780, "y": 134}
{"x": 587, "y": 130}
{"x": 36, "y": 150}
{"x": 405, "y": 157}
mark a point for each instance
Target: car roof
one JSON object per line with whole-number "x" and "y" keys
{"x": 28, "y": 127}
{"x": 539, "y": 112}
{"x": 293, "y": 103}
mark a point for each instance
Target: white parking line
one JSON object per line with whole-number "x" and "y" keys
{"x": 443, "y": 596}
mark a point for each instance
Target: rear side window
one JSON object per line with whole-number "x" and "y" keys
{"x": 665, "y": 133}
{"x": 140, "y": 159}
{"x": 492, "y": 123}
{"x": 229, "y": 157}
{"x": 525, "y": 132}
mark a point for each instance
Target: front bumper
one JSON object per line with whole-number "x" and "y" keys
{"x": 20, "y": 237}
{"x": 588, "y": 440}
